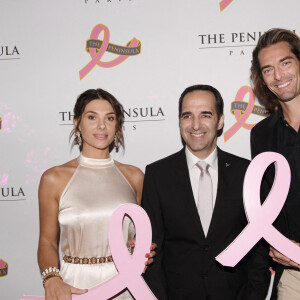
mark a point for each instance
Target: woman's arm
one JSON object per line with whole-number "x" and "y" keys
{"x": 50, "y": 188}
{"x": 49, "y": 227}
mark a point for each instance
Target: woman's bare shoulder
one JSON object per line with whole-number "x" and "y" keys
{"x": 130, "y": 171}
{"x": 59, "y": 173}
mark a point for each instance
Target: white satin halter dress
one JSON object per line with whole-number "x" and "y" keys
{"x": 95, "y": 190}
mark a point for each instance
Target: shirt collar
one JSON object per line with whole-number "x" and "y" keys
{"x": 192, "y": 159}
{"x": 280, "y": 114}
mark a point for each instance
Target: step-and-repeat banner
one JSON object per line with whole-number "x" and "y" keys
{"x": 51, "y": 51}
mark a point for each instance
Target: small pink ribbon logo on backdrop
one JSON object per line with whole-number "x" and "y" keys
{"x": 242, "y": 110}
{"x": 130, "y": 267}
{"x": 224, "y": 4}
{"x": 261, "y": 217}
{"x": 97, "y": 48}
{"x": 3, "y": 268}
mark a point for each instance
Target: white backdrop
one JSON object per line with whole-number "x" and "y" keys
{"x": 42, "y": 50}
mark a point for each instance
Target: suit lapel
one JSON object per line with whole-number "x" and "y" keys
{"x": 224, "y": 173}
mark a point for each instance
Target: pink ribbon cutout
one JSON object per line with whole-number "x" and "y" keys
{"x": 130, "y": 267}
{"x": 241, "y": 118}
{"x": 261, "y": 217}
{"x": 224, "y": 4}
{"x": 96, "y": 56}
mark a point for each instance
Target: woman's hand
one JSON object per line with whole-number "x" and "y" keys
{"x": 150, "y": 256}
{"x": 56, "y": 289}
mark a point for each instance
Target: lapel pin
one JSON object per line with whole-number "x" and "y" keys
{"x": 227, "y": 165}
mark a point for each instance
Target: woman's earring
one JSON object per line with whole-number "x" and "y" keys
{"x": 78, "y": 138}
{"x": 116, "y": 142}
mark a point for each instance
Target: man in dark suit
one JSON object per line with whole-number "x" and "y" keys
{"x": 195, "y": 204}
{"x": 275, "y": 73}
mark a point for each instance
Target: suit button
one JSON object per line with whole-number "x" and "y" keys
{"x": 206, "y": 247}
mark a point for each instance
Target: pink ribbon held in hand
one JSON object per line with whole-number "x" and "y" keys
{"x": 130, "y": 267}
{"x": 261, "y": 217}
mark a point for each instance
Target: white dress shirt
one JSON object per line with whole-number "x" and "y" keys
{"x": 194, "y": 171}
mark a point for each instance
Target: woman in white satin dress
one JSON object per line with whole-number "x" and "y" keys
{"x": 77, "y": 199}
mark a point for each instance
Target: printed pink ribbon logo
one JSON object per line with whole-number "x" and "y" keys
{"x": 130, "y": 267}
{"x": 97, "y": 48}
{"x": 3, "y": 268}
{"x": 241, "y": 118}
{"x": 224, "y": 4}
{"x": 261, "y": 217}
{"x": 242, "y": 110}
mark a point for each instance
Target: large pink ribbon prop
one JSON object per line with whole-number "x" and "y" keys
{"x": 241, "y": 118}
{"x": 130, "y": 267}
{"x": 96, "y": 56}
{"x": 261, "y": 217}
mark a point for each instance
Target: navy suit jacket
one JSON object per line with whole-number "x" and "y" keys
{"x": 185, "y": 267}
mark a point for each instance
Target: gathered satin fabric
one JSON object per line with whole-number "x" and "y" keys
{"x": 95, "y": 190}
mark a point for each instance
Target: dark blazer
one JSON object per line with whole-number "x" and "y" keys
{"x": 265, "y": 137}
{"x": 185, "y": 267}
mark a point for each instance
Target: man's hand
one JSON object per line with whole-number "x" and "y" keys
{"x": 282, "y": 259}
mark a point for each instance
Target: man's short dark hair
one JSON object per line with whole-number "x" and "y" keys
{"x": 204, "y": 87}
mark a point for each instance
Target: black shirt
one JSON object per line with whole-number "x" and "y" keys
{"x": 289, "y": 147}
